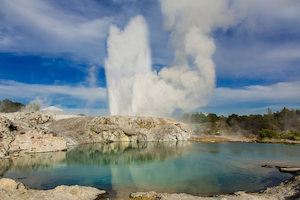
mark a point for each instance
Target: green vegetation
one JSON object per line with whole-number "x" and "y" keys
{"x": 268, "y": 134}
{"x": 8, "y": 106}
{"x": 284, "y": 124}
{"x": 291, "y": 135}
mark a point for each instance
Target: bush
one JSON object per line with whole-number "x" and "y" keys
{"x": 291, "y": 135}
{"x": 268, "y": 134}
{"x": 8, "y": 106}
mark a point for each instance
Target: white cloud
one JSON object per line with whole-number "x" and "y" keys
{"x": 254, "y": 99}
{"x": 36, "y": 26}
{"x": 264, "y": 45}
{"x": 284, "y": 92}
{"x": 282, "y": 54}
{"x": 13, "y": 89}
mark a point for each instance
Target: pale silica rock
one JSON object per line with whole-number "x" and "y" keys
{"x": 10, "y": 189}
{"x": 120, "y": 128}
{"x": 39, "y": 132}
{"x": 29, "y": 133}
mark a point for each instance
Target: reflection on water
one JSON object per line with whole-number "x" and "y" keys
{"x": 125, "y": 153}
{"x": 121, "y": 168}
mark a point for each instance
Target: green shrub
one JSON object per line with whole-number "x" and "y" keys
{"x": 291, "y": 135}
{"x": 8, "y": 106}
{"x": 268, "y": 134}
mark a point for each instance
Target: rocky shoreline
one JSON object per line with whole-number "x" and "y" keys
{"x": 10, "y": 189}
{"x": 212, "y": 139}
{"x": 287, "y": 190}
{"x": 38, "y": 132}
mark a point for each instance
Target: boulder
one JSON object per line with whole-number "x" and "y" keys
{"x": 10, "y": 189}
{"x": 36, "y": 142}
{"x": 27, "y": 132}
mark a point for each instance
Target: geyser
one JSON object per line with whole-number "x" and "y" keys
{"x": 128, "y": 57}
{"x": 134, "y": 89}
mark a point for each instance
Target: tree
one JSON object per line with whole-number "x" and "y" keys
{"x": 8, "y": 106}
{"x": 212, "y": 117}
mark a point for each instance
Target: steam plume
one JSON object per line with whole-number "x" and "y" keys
{"x": 128, "y": 57}
{"x": 134, "y": 89}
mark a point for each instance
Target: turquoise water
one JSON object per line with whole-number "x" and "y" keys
{"x": 122, "y": 168}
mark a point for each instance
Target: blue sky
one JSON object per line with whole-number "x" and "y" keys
{"x": 52, "y": 52}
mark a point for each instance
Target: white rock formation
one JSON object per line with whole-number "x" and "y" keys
{"x": 120, "y": 128}
{"x": 10, "y": 189}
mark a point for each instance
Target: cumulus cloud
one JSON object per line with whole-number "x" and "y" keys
{"x": 265, "y": 43}
{"x": 35, "y": 26}
{"x": 283, "y": 92}
{"x": 255, "y": 98}
{"x": 74, "y": 99}
{"x": 13, "y": 89}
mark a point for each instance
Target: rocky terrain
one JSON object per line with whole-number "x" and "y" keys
{"x": 28, "y": 133}
{"x": 119, "y": 128}
{"x": 286, "y": 190}
{"x": 10, "y": 189}
{"x": 39, "y": 132}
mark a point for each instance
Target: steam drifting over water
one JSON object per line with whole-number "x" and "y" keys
{"x": 134, "y": 89}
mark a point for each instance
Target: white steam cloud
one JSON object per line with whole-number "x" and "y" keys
{"x": 134, "y": 89}
{"x": 128, "y": 58}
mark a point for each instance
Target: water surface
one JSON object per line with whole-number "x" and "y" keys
{"x": 122, "y": 168}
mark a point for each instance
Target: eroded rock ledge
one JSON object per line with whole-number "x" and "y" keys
{"x": 120, "y": 128}
{"x": 40, "y": 132}
{"x": 10, "y": 189}
{"x": 29, "y": 133}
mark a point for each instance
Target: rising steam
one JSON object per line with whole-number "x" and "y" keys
{"x": 134, "y": 89}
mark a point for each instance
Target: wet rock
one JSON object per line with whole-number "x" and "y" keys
{"x": 4, "y": 165}
{"x": 292, "y": 170}
{"x": 10, "y": 189}
{"x": 266, "y": 166}
{"x": 143, "y": 195}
